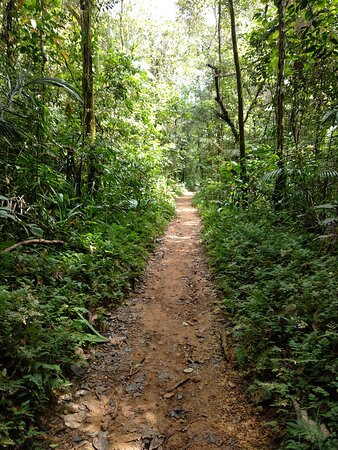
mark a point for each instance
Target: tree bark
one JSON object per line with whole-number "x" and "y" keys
{"x": 88, "y": 119}
{"x": 121, "y": 24}
{"x": 87, "y": 70}
{"x": 242, "y": 153}
{"x": 219, "y": 32}
{"x": 7, "y": 28}
{"x": 280, "y": 186}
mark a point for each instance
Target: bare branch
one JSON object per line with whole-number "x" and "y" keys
{"x": 32, "y": 242}
{"x": 254, "y": 101}
{"x": 224, "y": 112}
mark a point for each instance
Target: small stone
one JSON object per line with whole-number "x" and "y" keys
{"x": 164, "y": 375}
{"x": 77, "y": 370}
{"x": 80, "y": 393}
{"x": 169, "y": 395}
{"x": 65, "y": 398}
{"x": 117, "y": 340}
{"x": 188, "y": 370}
{"x": 73, "y": 407}
{"x": 79, "y": 438}
{"x": 74, "y": 420}
{"x": 104, "y": 424}
{"x": 100, "y": 441}
{"x": 212, "y": 439}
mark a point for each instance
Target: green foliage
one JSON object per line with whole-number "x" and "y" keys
{"x": 110, "y": 222}
{"x": 45, "y": 299}
{"x": 108, "y": 198}
{"x": 281, "y": 293}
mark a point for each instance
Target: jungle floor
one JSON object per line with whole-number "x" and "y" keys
{"x": 163, "y": 380}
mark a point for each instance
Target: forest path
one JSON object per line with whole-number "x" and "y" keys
{"x": 166, "y": 333}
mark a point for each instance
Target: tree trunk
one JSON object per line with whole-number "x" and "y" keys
{"x": 224, "y": 112}
{"x": 219, "y": 32}
{"x": 87, "y": 70}
{"x": 7, "y": 28}
{"x": 88, "y": 119}
{"x": 121, "y": 24}
{"x": 239, "y": 89}
{"x": 219, "y": 38}
{"x": 280, "y": 186}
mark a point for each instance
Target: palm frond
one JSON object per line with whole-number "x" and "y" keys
{"x": 59, "y": 82}
{"x": 271, "y": 175}
{"x": 9, "y": 132}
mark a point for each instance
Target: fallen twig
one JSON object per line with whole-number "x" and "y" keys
{"x": 138, "y": 367}
{"x": 32, "y": 242}
{"x": 179, "y": 384}
{"x": 186, "y": 427}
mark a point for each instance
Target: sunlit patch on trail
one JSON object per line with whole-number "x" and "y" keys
{"x": 172, "y": 236}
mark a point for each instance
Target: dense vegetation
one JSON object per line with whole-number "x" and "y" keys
{"x": 103, "y": 113}
{"x": 280, "y": 290}
{"x": 270, "y": 218}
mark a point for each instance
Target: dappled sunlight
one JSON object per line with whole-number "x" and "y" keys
{"x": 178, "y": 238}
{"x": 188, "y": 210}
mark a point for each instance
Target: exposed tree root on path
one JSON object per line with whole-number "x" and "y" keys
{"x": 162, "y": 381}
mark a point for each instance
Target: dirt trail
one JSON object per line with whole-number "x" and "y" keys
{"x": 166, "y": 333}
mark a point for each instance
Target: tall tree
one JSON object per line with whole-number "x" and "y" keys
{"x": 7, "y": 27}
{"x": 239, "y": 87}
{"x": 88, "y": 119}
{"x": 89, "y": 128}
{"x": 122, "y": 24}
{"x": 280, "y": 185}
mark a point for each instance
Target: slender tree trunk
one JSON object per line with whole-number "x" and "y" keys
{"x": 121, "y": 24}
{"x": 7, "y": 28}
{"x": 87, "y": 70}
{"x": 224, "y": 112}
{"x": 219, "y": 38}
{"x": 42, "y": 104}
{"x": 219, "y": 32}
{"x": 280, "y": 186}
{"x": 88, "y": 119}
{"x": 239, "y": 89}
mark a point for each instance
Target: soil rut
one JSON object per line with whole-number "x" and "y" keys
{"x": 167, "y": 333}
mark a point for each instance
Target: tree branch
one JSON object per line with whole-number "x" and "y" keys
{"x": 31, "y": 242}
{"x": 224, "y": 112}
{"x": 254, "y": 101}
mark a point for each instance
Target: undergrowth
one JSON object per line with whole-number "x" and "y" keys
{"x": 47, "y": 297}
{"x": 280, "y": 290}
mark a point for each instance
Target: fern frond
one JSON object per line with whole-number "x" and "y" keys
{"x": 328, "y": 173}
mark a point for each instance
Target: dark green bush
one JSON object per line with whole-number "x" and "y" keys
{"x": 281, "y": 291}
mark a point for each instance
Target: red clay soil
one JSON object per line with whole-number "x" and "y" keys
{"x": 167, "y": 333}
